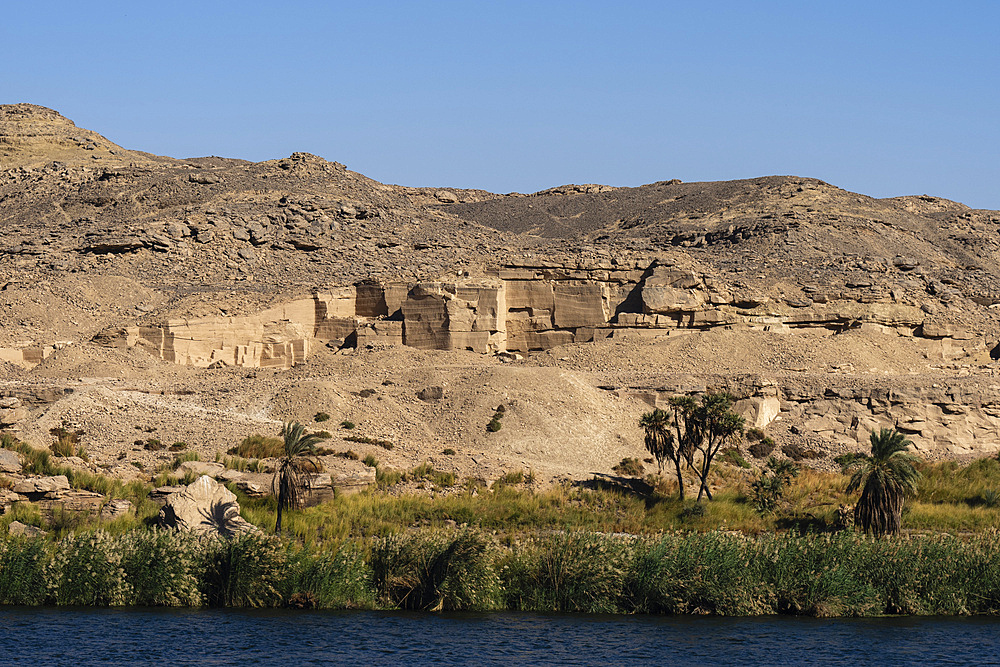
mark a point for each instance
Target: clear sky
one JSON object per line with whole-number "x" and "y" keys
{"x": 880, "y": 97}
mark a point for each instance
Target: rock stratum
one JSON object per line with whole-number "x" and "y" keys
{"x": 205, "y": 299}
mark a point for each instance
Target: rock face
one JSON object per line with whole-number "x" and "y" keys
{"x": 37, "y": 487}
{"x": 204, "y": 506}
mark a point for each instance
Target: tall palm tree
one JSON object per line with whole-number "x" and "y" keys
{"x": 884, "y": 478}
{"x": 294, "y": 462}
{"x": 660, "y": 442}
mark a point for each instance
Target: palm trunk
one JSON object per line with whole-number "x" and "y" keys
{"x": 680, "y": 479}
{"x": 277, "y": 523}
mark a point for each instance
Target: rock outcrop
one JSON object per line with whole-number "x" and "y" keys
{"x": 204, "y": 506}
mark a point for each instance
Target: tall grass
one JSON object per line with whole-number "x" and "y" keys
{"x": 842, "y": 574}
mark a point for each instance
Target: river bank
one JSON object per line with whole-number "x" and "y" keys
{"x": 842, "y": 574}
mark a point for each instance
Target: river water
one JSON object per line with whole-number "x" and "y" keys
{"x": 61, "y": 636}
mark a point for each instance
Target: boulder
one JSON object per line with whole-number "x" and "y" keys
{"x": 431, "y": 393}
{"x": 759, "y": 412}
{"x": 39, "y": 486}
{"x": 206, "y": 507}
{"x": 18, "y": 528}
{"x": 116, "y": 508}
{"x": 10, "y": 461}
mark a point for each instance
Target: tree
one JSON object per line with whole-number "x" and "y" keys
{"x": 660, "y": 442}
{"x": 296, "y": 460}
{"x": 693, "y": 434}
{"x": 884, "y": 477}
{"x": 703, "y": 429}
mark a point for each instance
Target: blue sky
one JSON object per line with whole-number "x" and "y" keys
{"x": 884, "y": 98}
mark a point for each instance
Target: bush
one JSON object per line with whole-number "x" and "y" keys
{"x": 321, "y": 417}
{"x": 347, "y": 424}
{"x": 630, "y": 467}
{"x": 370, "y": 461}
{"x": 177, "y": 447}
{"x": 762, "y": 448}
{"x": 257, "y": 446}
{"x": 365, "y": 440}
{"x": 494, "y": 425}
{"x": 448, "y": 451}
{"x": 733, "y": 457}
{"x": 769, "y": 488}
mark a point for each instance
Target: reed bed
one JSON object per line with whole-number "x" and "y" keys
{"x": 840, "y": 574}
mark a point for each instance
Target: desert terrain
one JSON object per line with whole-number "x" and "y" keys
{"x": 202, "y": 300}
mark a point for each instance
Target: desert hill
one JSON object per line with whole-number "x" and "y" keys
{"x": 204, "y": 299}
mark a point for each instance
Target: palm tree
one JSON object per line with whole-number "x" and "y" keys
{"x": 296, "y": 460}
{"x": 884, "y": 478}
{"x": 660, "y": 442}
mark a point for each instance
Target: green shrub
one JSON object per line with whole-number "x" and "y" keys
{"x": 321, "y": 417}
{"x": 572, "y": 571}
{"x": 347, "y": 424}
{"x": 177, "y": 447}
{"x": 630, "y": 467}
{"x": 258, "y": 446}
{"x": 448, "y": 451}
{"x": 494, "y": 425}
{"x": 370, "y": 461}
{"x": 365, "y": 440}
{"x": 733, "y": 457}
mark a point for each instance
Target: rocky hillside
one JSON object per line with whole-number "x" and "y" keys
{"x": 204, "y": 299}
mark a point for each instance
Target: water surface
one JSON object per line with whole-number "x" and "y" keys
{"x": 61, "y": 636}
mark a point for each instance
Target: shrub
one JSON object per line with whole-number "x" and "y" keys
{"x": 365, "y": 440}
{"x": 321, "y": 417}
{"x": 512, "y": 478}
{"x": 177, "y": 447}
{"x": 370, "y": 461}
{"x": 769, "y": 488}
{"x": 448, "y": 451}
{"x": 494, "y": 425}
{"x": 258, "y": 446}
{"x": 350, "y": 454}
{"x": 762, "y": 448}
{"x": 87, "y": 570}
{"x": 630, "y": 467}
{"x": 151, "y": 444}
{"x": 385, "y": 477}
{"x": 347, "y": 424}
{"x": 733, "y": 457}
{"x": 845, "y": 459}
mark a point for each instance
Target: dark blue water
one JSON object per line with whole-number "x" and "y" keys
{"x": 48, "y": 636}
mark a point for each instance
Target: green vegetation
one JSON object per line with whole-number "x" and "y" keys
{"x": 347, "y": 424}
{"x": 321, "y": 417}
{"x": 365, "y": 440}
{"x": 258, "y": 446}
{"x": 630, "y": 467}
{"x": 296, "y": 460}
{"x": 845, "y": 574}
{"x": 692, "y": 433}
{"x": 884, "y": 478}
{"x": 495, "y": 424}
{"x": 769, "y": 488}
